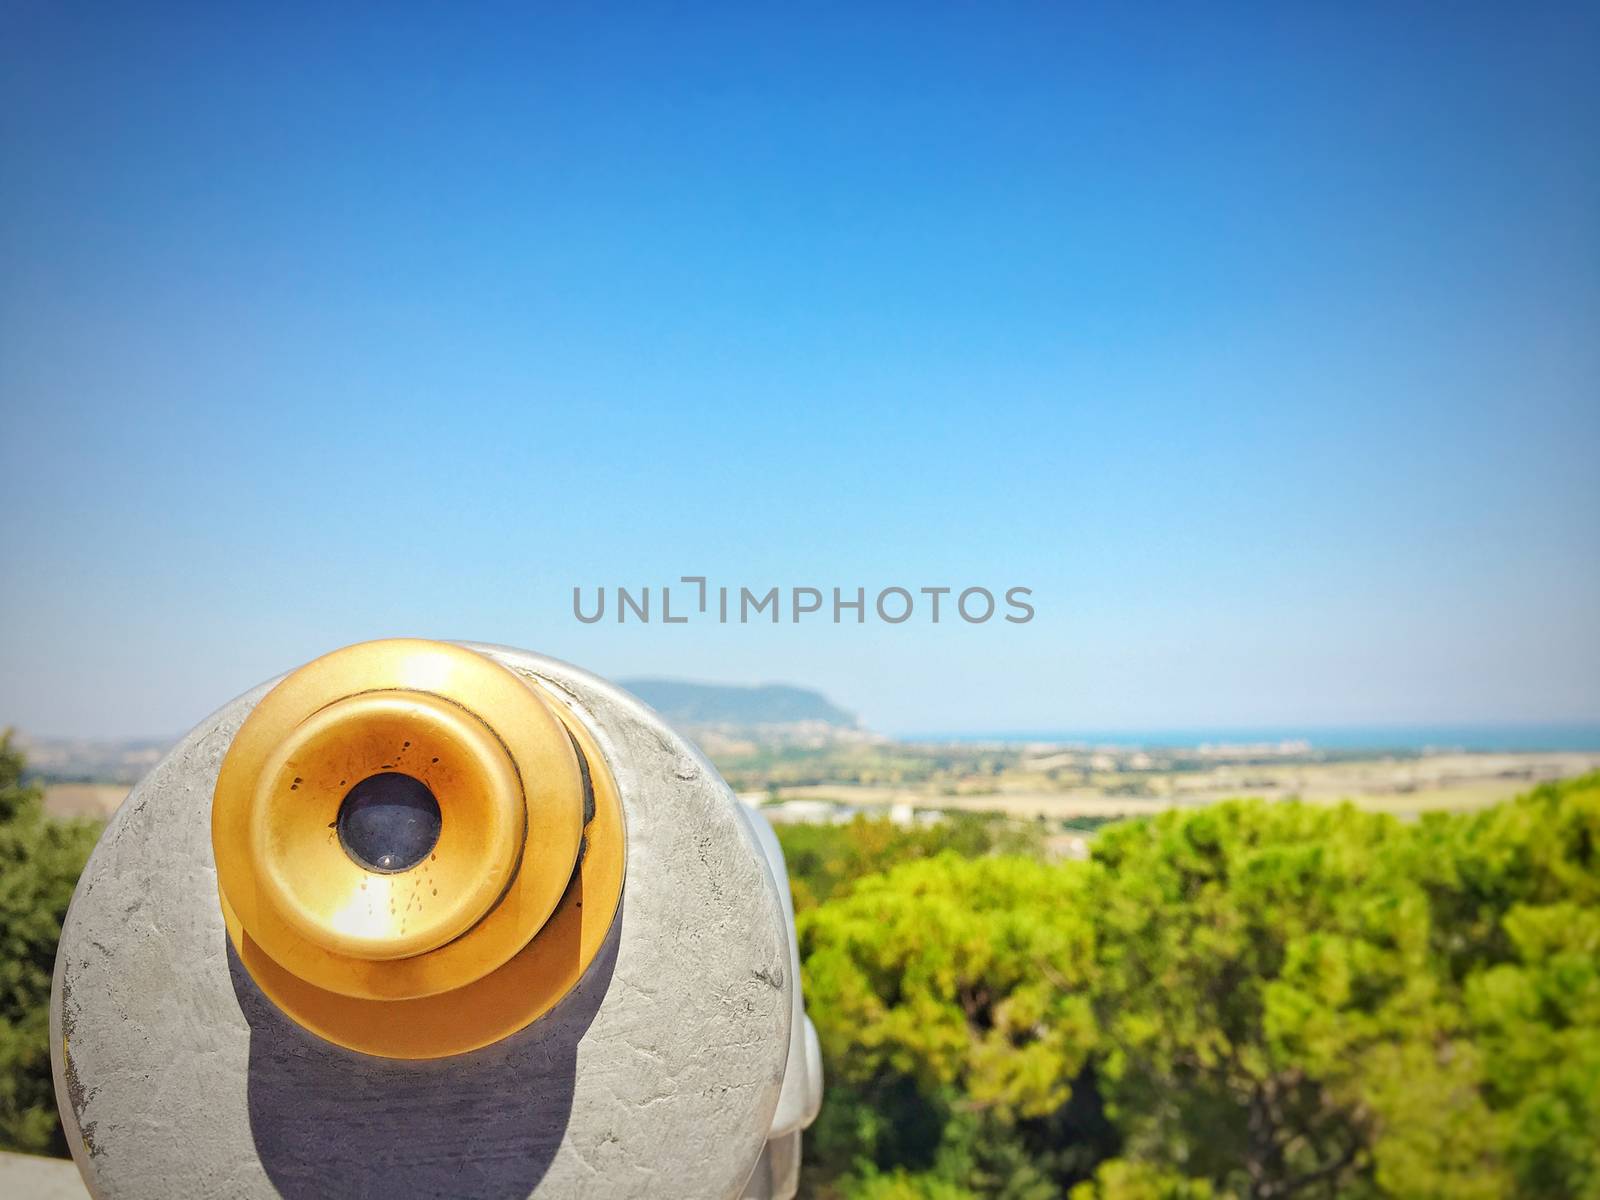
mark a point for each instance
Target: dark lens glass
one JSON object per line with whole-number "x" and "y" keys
{"x": 389, "y": 822}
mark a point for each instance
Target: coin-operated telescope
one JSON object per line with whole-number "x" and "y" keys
{"x": 426, "y": 919}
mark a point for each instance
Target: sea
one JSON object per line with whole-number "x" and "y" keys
{"x": 1506, "y": 738}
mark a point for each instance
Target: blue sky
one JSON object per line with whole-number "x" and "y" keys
{"x": 1261, "y": 343}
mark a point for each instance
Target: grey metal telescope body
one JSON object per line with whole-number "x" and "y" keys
{"x": 681, "y": 1065}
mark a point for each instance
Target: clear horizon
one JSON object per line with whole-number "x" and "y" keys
{"x": 1260, "y": 346}
{"x": 1578, "y": 736}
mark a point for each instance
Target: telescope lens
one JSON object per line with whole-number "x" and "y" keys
{"x": 389, "y": 822}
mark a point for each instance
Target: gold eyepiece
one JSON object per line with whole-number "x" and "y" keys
{"x": 397, "y": 829}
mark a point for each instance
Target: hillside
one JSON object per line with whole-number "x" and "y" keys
{"x": 725, "y": 705}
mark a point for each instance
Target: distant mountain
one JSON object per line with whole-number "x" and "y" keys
{"x": 690, "y": 705}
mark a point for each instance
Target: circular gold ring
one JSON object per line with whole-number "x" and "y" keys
{"x": 326, "y": 896}
{"x": 499, "y": 1002}
{"x": 498, "y": 754}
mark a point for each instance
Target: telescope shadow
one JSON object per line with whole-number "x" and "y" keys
{"x": 327, "y": 1121}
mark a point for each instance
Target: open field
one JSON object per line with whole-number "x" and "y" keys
{"x": 97, "y": 800}
{"x": 1128, "y": 784}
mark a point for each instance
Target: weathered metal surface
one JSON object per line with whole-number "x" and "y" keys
{"x": 659, "y": 1075}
